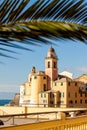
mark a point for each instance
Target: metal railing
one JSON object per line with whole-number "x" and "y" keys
{"x": 68, "y": 123}
{"x": 77, "y": 123}
{"x": 35, "y": 116}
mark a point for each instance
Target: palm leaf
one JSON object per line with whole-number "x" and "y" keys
{"x": 44, "y": 20}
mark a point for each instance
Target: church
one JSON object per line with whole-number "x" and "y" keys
{"x": 50, "y": 89}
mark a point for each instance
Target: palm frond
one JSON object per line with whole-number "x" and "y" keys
{"x": 44, "y": 20}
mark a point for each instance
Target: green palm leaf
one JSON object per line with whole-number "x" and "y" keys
{"x": 44, "y": 20}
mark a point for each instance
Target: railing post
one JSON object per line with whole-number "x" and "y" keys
{"x": 13, "y": 121}
{"x": 56, "y": 115}
{"x": 61, "y": 127}
{"x": 37, "y": 117}
{"x": 25, "y": 111}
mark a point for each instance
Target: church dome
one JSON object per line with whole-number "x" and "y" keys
{"x": 51, "y": 53}
{"x": 51, "y": 49}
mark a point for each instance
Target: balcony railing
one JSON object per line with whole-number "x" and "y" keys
{"x": 40, "y": 121}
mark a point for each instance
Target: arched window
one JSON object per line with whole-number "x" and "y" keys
{"x": 48, "y": 64}
{"x": 55, "y": 64}
{"x": 71, "y": 102}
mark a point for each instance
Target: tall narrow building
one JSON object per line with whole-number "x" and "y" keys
{"x": 51, "y": 67}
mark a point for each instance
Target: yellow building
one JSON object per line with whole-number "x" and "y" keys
{"x": 82, "y": 78}
{"x": 50, "y": 89}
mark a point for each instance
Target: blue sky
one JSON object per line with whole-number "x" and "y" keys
{"x": 72, "y": 57}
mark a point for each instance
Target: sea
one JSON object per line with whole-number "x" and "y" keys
{"x": 4, "y": 101}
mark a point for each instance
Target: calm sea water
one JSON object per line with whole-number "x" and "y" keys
{"x": 3, "y": 102}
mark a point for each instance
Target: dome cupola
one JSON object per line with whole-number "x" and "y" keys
{"x": 51, "y": 53}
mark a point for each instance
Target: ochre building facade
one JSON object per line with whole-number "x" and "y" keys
{"x": 50, "y": 89}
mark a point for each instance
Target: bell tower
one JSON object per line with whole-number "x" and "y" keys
{"x": 51, "y": 67}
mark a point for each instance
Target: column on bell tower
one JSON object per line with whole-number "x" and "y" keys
{"x": 51, "y": 67}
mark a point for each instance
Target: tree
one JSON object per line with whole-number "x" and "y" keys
{"x": 42, "y": 22}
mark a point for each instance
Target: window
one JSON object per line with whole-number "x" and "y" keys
{"x": 75, "y": 101}
{"x": 61, "y": 83}
{"x": 44, "y": 94}
{"x": 55, "y": 84}
{"x": 71, "y": 102}
{"x": 69, "y": 83}
{"x": 81, "y": 101}
{"x": 51, "y": 95}
{"x": 75, "y": 83}
{"x": 86, "y": 101}
{"x": 62, "y": 94}
{"x": 55, "y": 65}
{"x": 80, "y": 94}
{"x": 44, "y": 77}
{"x": 41, "y": 95}
{"x": 85, "y": 94}
{"x": 35, "y": 77}
{"x": 44, "y": 87}
{"x": 48, "y": 64}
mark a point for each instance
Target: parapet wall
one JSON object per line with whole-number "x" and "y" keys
{"x": 21, "y": 110}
